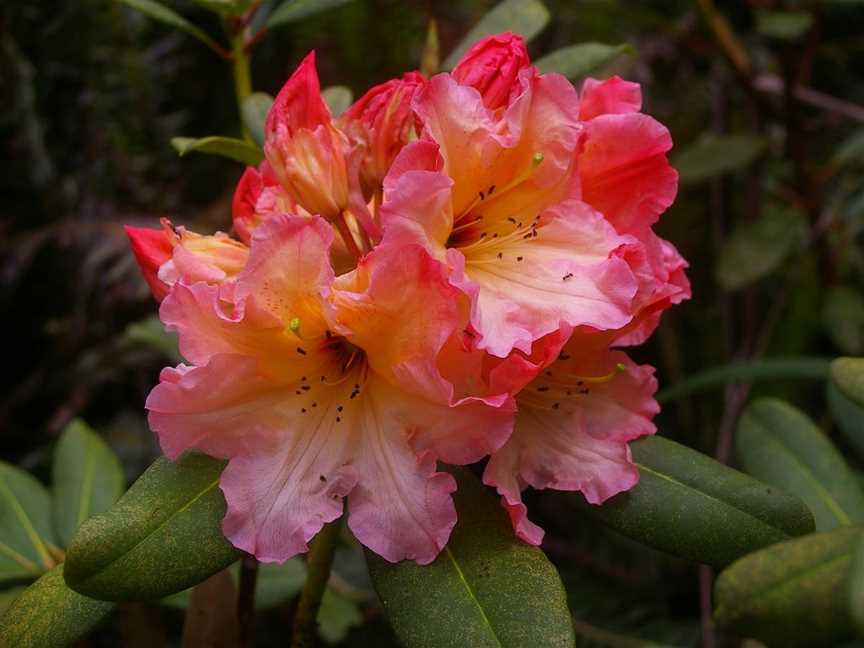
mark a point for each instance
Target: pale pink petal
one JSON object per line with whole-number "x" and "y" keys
{"x": 526, "y": 287}
{"x": 574, "y": 424}
{"x": 612, "y": 96}
{"x": 624, "y": 170}
{"x": 401, "y": 507}
{"x": 502, "y": 472}
{"x": 222, "y": 408}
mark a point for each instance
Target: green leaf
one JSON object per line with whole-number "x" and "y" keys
{"x": 856, "y": 587}
{"x": 580, "y": 60}
{"x": 255, "y": 109}
{"x": 50, "y": 615}
{"x": 848, "y": 375}
{"x": 26, "y": 533}
{"x": 486, "y": 588}
{"x": 337, "y": 98}
{"x": 714, "y": 155}
{"x": 293, "y": 10}
{"x": 848, "y": 415}
{"x": 225, "y": 7}
{"x": 783, "y": 25}
{"x": 691, "y": 506}
{"x": 780, "y": 445}
{"x": 88, "y": 478}
{"x": 336, "y": 616}
{"x": 757, "y": 248}
{"x": 525, "y": 17}
{"x": 150, "y": 332}
{"x": 805, "y": 367}
{"x": 160, "y": 12}
{"x": 163, "y": 536}
{"x": 7, "y": 598}
{"x": 793, "y": 593}
{"x": 844, "y": 319}
{"x": 234, "y": 149}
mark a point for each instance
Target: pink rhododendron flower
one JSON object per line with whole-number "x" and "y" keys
{"x": 441, "y": 274}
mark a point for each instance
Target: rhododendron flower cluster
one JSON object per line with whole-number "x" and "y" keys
{"x": 445, "y": 272}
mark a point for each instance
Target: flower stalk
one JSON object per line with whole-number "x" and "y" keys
{"x": 319, "y": 563}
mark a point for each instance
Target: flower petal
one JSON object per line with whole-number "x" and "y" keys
{"x": 573, "y": 426}
{"x": 612, "y": 96}
{"x": 401, "y": 507}
{"x": 624, "y": 170}
{"x": 523, "y": 287}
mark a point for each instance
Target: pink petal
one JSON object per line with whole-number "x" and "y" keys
{"x": 401, "y": 507}
{"x": 572, "y": 429}
{"x": 612, "y": 96}
{"x": 151, "y": 249}
{"x": 526, "y": 288}
{"x": 624, "y": 171}
{"x": 299, "y": 103}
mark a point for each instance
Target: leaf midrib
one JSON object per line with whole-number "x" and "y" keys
{"x": 24, "y": 519}
{"x": 769, "y": 589}
{"x": 471, "y": 595}
{"x": 711, "y": 497}
{"x": 154, "y": 531}
{"x": 823, "y": 494}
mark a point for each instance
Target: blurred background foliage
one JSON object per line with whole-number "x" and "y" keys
{"x": 764, "y": 99}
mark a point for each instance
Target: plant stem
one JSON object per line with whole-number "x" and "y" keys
{"x": 242, "y": 75}
{"x": 345, "y": 232}
{"x": 246, "y": 598}
{"x": 319, "y": 562}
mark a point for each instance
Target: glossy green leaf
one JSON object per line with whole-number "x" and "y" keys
{"x": 337, "y": 98}
{"x": 780, "y": 445}
{"x": 848, "y": 375}
{"x": 337, "y": 615}
{"x": 50, "y": 615}
{"x": 757, "y": 248}
{"x": 163, "y": 536}
{"x": 525, "y": 17}
{"x": 163, "y": 14}
{"x": 799, "y": 367}
{"x": 793, "y": 593}
{"x": 844, "y": 319}
{"x": 692, "y": 506}
{"x": 485, "y": 589}
{"x": 714, "y": 155}
{"x": 856, "y": 587}
{"x": 88, "y": 478}
{"x": 580, "y": 60}
{"x": 234, "y": 149}
{"x": 293, "y": 10}
{"x": 783, "y": 25}
{"x": 8, "y": 596}
{"x": 150, "y": 332}
{"x": 26, "y": 532}
{"x": 848, "y": 415}
{"x": 255, "y": 109}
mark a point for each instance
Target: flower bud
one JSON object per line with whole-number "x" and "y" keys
{"x": 304, "y": 149}
{"x": 151, "y": 248}
{"x": 492, "y": 66}
{"x": 381, "y": 122}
